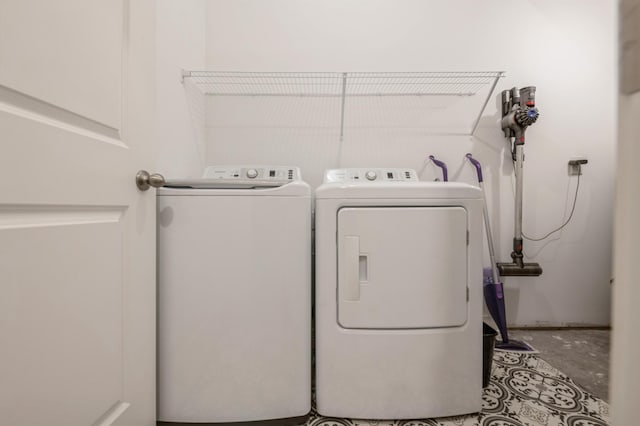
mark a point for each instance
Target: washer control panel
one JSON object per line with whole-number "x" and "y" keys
{"x": 370, "y": 175}
{"x": 274, "y": 174}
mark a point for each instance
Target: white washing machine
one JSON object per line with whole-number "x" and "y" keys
{"x": 398, "y": 296}
{"x": 234, "y": 297}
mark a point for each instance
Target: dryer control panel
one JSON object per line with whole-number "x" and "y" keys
{"x": 370, "y": 175}
{"x": 274, "y": 174}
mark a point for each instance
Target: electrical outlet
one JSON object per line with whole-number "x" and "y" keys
{"x": 575, "y": 166}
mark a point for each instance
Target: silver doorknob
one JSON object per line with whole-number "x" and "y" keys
{"x": 144, "y": 180}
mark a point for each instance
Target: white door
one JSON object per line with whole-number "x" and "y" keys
{"x": 402, "y": 267}
{"x": 77, "y": 291}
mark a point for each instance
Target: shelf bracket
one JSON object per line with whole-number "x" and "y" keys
{"x": 184, "y": 74}
{"x": 486, "y": 101}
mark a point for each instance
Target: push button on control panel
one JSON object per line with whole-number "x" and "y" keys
{"x": 252, "y": 173}
{"x": 371, "y": 175}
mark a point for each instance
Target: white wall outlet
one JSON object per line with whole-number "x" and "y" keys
{"x": 575, "y": 166}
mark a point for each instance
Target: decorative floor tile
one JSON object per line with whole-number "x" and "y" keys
{"x": 524, "y": 391}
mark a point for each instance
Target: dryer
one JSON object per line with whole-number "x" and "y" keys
{"x": 234, "y": 297}
{"x": 398, "y": 296}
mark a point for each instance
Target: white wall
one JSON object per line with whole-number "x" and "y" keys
{"x": 565, "y": 48}
{"x": 181, "y": 148}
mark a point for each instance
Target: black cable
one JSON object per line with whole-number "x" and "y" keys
{"x": 575, "y": 199}
{"x": 573, "y": 208}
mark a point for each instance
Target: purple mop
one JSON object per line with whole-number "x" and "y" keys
{"x": 492, "y": 286}
{"x": 445, "y": 175}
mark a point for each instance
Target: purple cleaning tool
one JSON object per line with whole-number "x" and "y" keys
{"x": 445, "y": 176}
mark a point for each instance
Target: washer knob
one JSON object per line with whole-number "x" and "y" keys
{"x": 370, "y": 175}
{"x": 252, "y": 173}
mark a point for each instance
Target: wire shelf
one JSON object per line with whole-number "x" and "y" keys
{"x": 341, "y": 84}
{"x": 265, "y": 83}
{"x": 349, "y": 85}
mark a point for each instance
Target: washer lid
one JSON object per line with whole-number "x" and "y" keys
{"x": 222, "y": 184}
{"x": 204, "y": 187}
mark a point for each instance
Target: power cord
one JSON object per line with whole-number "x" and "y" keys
{"x": 573, "y": 208}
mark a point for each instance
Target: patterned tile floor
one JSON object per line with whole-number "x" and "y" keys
{"x": 524, "y": 391}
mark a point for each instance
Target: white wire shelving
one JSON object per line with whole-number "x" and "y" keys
{"x": 346, "y": 85}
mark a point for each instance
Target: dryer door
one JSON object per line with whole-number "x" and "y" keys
{"x": 402, "y": 267}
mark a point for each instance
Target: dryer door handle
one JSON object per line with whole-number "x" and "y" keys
{"x": 349, "y": 267}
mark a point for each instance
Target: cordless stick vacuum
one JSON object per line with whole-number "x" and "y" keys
{"x": 518, "y": 113}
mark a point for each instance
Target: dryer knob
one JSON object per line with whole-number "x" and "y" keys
{"x": 370, "y": 175}
{"x": 252, "y": 173}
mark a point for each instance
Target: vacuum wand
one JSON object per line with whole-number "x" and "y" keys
{"x": 518, "y": 113}
{"x": 517, "y": 255}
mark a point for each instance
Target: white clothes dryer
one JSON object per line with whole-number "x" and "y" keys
{"x": 398, "y": 296}
{"x": 234, "y": 297}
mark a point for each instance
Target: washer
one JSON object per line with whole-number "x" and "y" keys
{"x": 234, "y": 297}
{"x": 398, "y": 296}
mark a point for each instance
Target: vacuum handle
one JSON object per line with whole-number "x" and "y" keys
{"x": 445, "y": 175}
{"x": 478, "y": 167}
